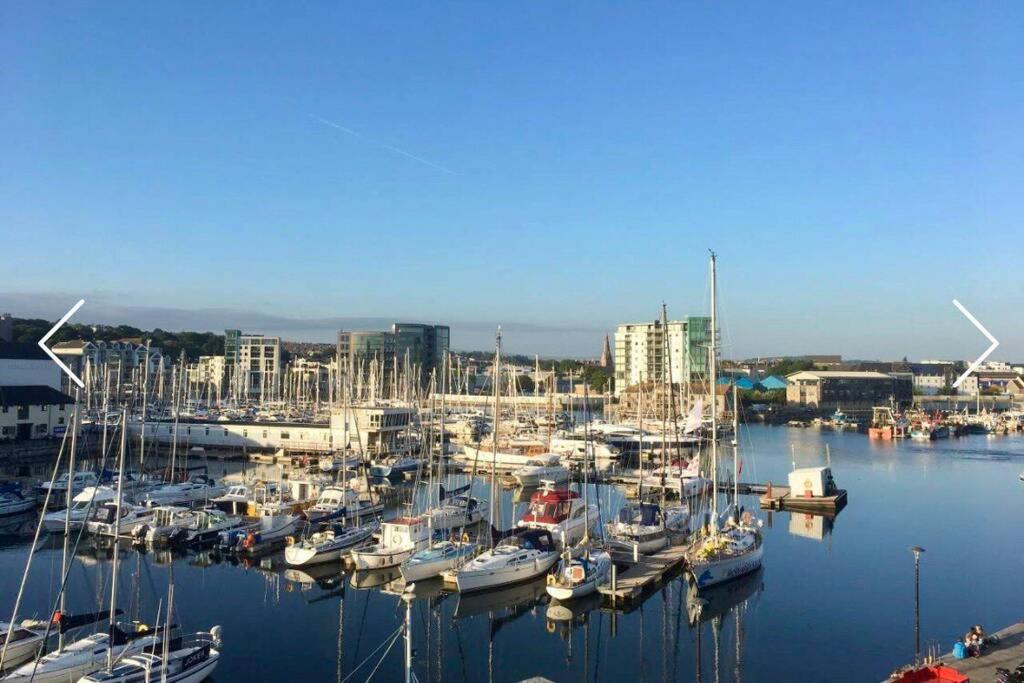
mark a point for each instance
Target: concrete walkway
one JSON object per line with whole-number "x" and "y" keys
{"x": 1008, "y": 653}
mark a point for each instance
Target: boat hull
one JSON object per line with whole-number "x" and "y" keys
{"x": 708, "y": 573}
{"x": 482, "y": 579}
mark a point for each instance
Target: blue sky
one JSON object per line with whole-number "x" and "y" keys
{"x": 561, "y": 165}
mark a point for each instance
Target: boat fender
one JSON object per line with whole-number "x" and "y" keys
{"x": 465, "y": 537}
{"x": 249, "y": 541}
{"x": 551, "y": 579}
{"x": 289, "y": 540}
{"x": 215, "y": 633}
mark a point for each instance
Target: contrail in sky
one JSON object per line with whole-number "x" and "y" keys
{"x": 395, "y": 150}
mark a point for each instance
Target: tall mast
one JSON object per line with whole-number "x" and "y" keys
{"x": 67, "y": 514}
{"x": 497, "y": 420}
{"x": 735, "y": 447}
{"x": 145, "y": 400}
{"x": 117, "y": 539}
{"x": 713, "y": 370}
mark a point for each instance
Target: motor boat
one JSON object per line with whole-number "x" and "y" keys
{"x": 59, "y": 489}
{"x": 199, "y": 488}
{"x": 562, "y": 512}
{"x": 274, "y": 522}
{"x": 647, "y": 527}
{"x": 396, "y": 468}
{"x": 235, "y": 500}
{"x": 576, "y": 577}
{"x": 576, "y": 448}
{"x": 103, "y": 520}
{"x": 14, "y": 501}
{"x": 344, "y": 503}
{"x": 526, "y": 554}
{"x": 457, "y": 509}
{"x": 399, "y": 539}
{"x": 535, "y": 471}
{"x": 512, "y": 456}
{"x": 181, "y": 526}
{"x": 189, "y": 660}
{"x": 437, "y": 559}
{"x": 329, "y": 545}
{"x": 76, "y": 515}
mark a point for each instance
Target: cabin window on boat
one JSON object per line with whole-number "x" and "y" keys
{"x": 43, "y": 408}
{"x": 264, "y": 433}
{"x": 284, "y": 435}
{"x": 207, "y": 432}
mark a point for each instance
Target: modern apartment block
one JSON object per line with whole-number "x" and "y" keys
{"x": 420, "y": 347}
{"x": 252, "y": 363}
{"x": 653, "y": 352}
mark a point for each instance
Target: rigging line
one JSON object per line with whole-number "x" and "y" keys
{"x": 393, "y": 637}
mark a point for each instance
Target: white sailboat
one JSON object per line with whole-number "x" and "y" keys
{"x": 329, "y": 545}
{"x": 731, "y": 546}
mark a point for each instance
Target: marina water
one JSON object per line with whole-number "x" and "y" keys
{"x": 835, "y": 600}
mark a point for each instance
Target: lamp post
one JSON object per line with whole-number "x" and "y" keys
{"x": 917, "y": 550}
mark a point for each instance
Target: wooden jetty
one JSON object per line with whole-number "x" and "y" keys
{"x": 777, "y": 497}
{"x": 641, "y": 576}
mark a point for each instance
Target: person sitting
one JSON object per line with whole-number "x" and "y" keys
{"x": 972, "y": 643}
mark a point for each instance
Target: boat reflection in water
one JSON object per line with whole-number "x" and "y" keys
{"x": 814, "y": 527}
{"x": 514, "y": 600}
{"x": 374, "y": 578}
{"x": 715, "y": 605}
{"x": 327, "y": 577}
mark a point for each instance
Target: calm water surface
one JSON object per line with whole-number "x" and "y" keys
{"x": 833, "y": 603}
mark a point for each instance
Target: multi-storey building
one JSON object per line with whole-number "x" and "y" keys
{"x": 417, "y": 347}
{"x": 676, "y": 351}
{"x": 252, "y": 363}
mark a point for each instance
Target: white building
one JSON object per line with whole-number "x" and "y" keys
{"x": 253, "y": 364}
{"x": 643, "y": 351}
{"x": 31, "y": 405}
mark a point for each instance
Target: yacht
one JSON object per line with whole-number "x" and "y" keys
{"x": 457, "y": 510}
{"x": 14, "y": 501}
{"x": 182, "y": 526}
{"x": 526, "y": 554}
{"x": 88, "y": 654}
{"x": 399, "y": 539}
{"x": 75, "y": 516}
{"x": 437, "y": 559}
{"x": 329, "y": 545}
{"x": 26, "y": 639}
{"x": 78, "y": 482}
{"x": 537, "y": 470}
{"x": 511, "y": 457}
{"x": 576, "y": 577}
{"x": 395, "y": 469}
{"x": 135, "y": 519}
{"x": 647, "y": 527}
{"x": 562, "y": 512}
{"x": 199, "y": 488}
{"x": 274, "y": 521}
{"x": 573, "y": 447}
{"x": 340, "y": 502}
{"x": 189, "y": 660}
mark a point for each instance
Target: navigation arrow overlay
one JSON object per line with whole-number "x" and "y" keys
{"x": 53, "y": 356}
{"x": 982, "y": 357}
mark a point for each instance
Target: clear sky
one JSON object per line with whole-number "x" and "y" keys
{"x": 855, "y": 165}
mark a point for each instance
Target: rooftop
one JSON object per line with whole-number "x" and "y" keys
{"x": 836, "y": 374}
{"x": 16, "y": 351}
{"x": 31, "y": 395}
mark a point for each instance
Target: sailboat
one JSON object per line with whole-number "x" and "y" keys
{"x": 731, "y": 545}
{"x": 14, "y": 501}
{"x": 584, "y": 568}
{"x": 88, "y": 654}
{"x": 328, "y": 545}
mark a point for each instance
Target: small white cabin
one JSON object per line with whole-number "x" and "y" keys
{"x": 811, "y": 482}
{"x": 404, "y": 531}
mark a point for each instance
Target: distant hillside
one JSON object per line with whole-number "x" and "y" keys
{"x": 172, "y": 344}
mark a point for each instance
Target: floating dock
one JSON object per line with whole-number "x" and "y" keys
{"x": 781, "y": 498}
{"x": 643, "y": 575}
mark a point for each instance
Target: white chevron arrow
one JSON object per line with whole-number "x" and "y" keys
{"x": 52, "y": 355}
{"x": 982, "y": 357}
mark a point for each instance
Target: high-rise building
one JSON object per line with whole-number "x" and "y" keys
{"x": 252, "y": 363}
{"x": 420, "y": 348}
{"x": 645, "y": 352}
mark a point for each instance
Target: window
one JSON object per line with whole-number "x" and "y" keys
{"x": 284, "y": 435}
{"x": 44, "y": 408}
{"x": 22, "y": 412}
{"x": 60, "y": 420}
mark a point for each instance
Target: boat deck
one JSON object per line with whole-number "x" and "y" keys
{"x": 645, "y": 574}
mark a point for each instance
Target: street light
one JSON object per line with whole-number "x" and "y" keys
{"x": 917, "y": 550}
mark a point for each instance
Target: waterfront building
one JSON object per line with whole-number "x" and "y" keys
{"x": 31, "y": 405}
{"x": 640, "y": 351}
{"x": 656, "y": 399}
{"x": 995, "y": 380}
{"x": 413, "y": 348}
{"x": 252, "y": 363}
{"x": 772, "y": 383}
{"x": 847, "y": 390}
{"x": 208, "y": 375}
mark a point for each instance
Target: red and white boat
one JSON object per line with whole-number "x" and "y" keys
{"x": 562, "y": 512}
